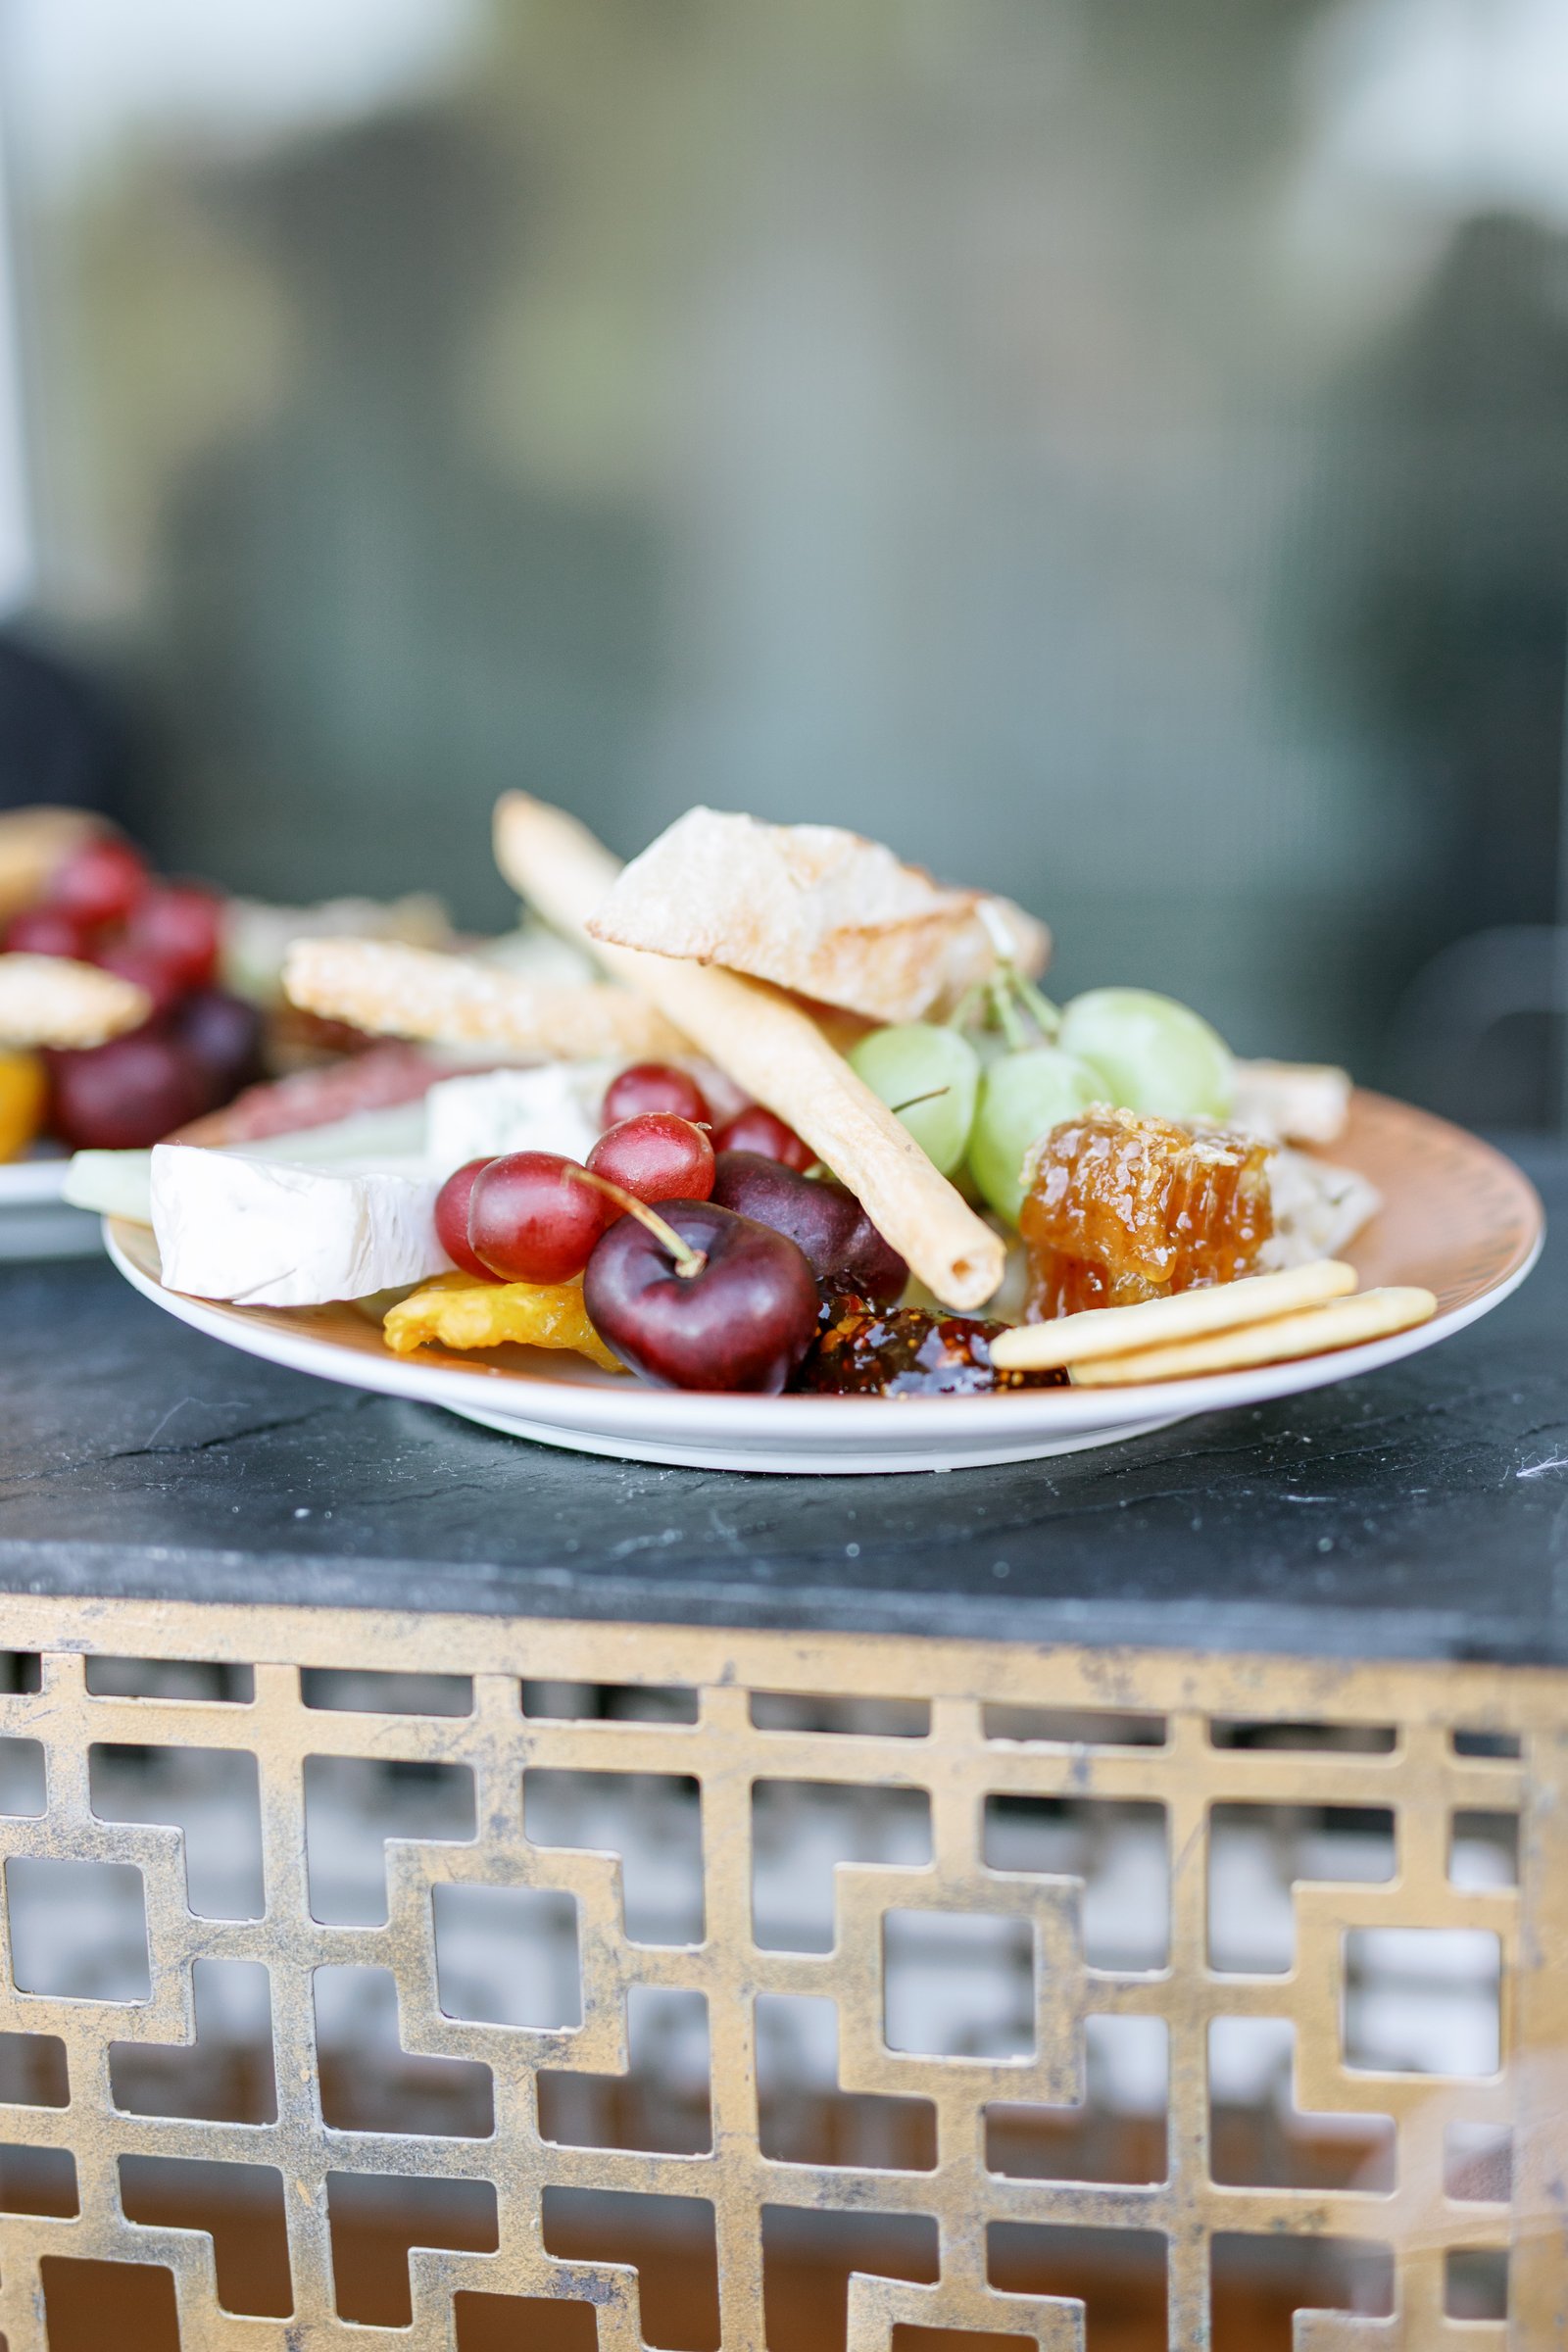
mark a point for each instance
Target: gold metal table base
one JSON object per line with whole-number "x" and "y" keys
{"x": 983, "y": 1727}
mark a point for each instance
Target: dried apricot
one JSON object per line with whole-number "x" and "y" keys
{"x": 455, "y": 1312}
{"x": 24, "y": 1096}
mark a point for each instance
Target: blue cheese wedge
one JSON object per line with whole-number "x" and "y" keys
{"x": 552, "y": 1109}
{"x": 271, "y": 1232}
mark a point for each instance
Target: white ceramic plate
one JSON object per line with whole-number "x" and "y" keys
{"x": 1458, "y": 1217}
{"x": 34, "y": 1221}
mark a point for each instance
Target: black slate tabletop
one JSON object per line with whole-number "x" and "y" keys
{"x": 1418, "y": 1512}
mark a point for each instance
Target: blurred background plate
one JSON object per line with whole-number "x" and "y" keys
{"x": 1458, "y": 1217}
{"x": 34, "y": 1221}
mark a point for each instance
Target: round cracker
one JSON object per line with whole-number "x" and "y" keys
{"x": 52, "y": 1001}
{"x": 1313, "y": 1330}
{"x": 1159, "y": 1322}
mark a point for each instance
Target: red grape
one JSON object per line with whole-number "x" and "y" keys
{"x": 180, "y": 924}
{"x": 100, "y": 883}
{"x": 125, "y": 1095}
{"x": 655, "y": 1086}
{"x": 743, "y": 1318}
{"x": 223, "y": 1034}
{"x": 150, "y": 973}
{"x": 657, "y": 1156}
{"x": 452, "y": 1219}
{"x": 531, "y": 1219}
{"x": 754, "y": 1129}
{"x": 47, "y": 931}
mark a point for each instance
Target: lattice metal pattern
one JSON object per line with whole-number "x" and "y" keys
{"x": 580, "y": 2053}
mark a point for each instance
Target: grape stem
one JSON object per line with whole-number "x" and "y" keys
{"x": 1003, "y": 1011}
{"x": 689, "y": 1262}
{"x": 932, "y": 1095}
{"x": 997, "y": 1002}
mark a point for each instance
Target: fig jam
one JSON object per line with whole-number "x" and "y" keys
{"x": 1123, "y": 1207}
{"x": 865, "y": 1351}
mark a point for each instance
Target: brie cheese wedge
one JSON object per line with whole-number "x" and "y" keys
{"x": 271, "y": 1232}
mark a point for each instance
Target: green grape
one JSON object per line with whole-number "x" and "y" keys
{"x": 1021, "y": 1098}
{"x": 1153, "y": 1053}
{"x": 917, "y": 1060}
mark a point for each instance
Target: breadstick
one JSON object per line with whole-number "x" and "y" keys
{"x": 773, "y": 1049}
{"x": 49, "y": 1001}
{"x": 33, "y": 843}
{"x": 394, "y": 991}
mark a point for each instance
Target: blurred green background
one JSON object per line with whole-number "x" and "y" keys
{"x": 1115, "y": 449}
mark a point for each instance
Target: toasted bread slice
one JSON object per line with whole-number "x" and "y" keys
{"x": 394, "y": 991}
{"x": 814, "y": 909}
{"x": 1296, "y": 1102}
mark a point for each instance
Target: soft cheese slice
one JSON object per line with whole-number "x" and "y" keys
{"x": 266, "y": 1232}
{"x": 553, "y": 1108}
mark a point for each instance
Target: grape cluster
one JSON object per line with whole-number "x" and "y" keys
{"x": 199, "y": 1046}
{"x": 977, "y": 1093}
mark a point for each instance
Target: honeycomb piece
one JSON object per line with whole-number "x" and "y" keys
{"x": 1122, "y": 1208}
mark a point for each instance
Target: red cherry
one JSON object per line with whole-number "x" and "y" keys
{"x": 180, "y": 923}
{"x": 452, "y": 1219}
{"x": 737, "y": 1309}
{"x": 655, "y": 1086}
{"x": 754, "y": 1129}
{"x": 150, "y": 973}
{"x": 822, "y": 1218}
{"x": 657, "y": 1156}
{"x": 531, "y": 1219}
{"x": 47, "y": 931}
{"x": 100, "y": 883}
{"x": 125, "y": 1095}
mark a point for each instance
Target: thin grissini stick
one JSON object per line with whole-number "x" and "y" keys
{"x": 50, "y": 1001}
{"x": 395, "y": 990}
{"x": 1110, "y": 1331}
{"x": 771, "y": 1047}
{"x": 33, "y": 844}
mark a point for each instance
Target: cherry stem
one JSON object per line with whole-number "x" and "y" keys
{"x": 689, "y": 1262}
{"x": 932, "y": 1094}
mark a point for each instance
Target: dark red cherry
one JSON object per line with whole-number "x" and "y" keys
{"x": 223, "y": 1034}
{"x": 532, "y": 1219}
{"x": 47, "y": 931}
{"x": 181, "y": 925}
{"x": 150, "y": 973}
{"x": 821, "y": 1216}
{"x": 100, "y": 883}
{"x": 739, "y": 1317}
{"x": 754, "y": 1129}
{"x": 655, "y": 1086}
{"x": 452, "y": 1220}
{"x": 128, "y": 1094}
{"x": 657, "y": 1156}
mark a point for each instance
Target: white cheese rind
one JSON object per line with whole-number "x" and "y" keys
{"x": 552, "y": 1109}
{"x": 263, "y": 1233}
